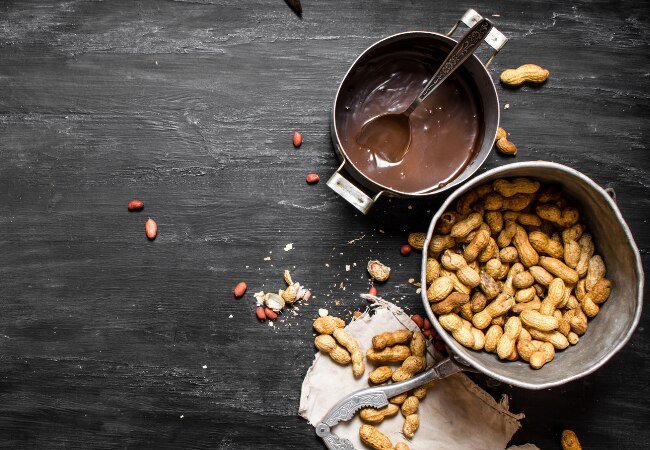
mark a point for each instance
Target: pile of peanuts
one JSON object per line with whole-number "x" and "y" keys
{"x": 401, "y": 347}
{"x": 512, "y": 271}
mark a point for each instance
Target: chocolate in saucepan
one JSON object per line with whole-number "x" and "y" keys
{"x": 446, "y": 128}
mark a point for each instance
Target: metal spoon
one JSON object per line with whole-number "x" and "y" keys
{"x": 389, "y": 135}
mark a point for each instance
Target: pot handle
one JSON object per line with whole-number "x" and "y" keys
{"x": 494, "y": 39}
{"x": 350, "y": 192}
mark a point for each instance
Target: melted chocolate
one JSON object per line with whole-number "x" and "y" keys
{"x": 446, "y": 128}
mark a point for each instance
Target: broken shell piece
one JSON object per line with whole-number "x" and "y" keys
{"x": 287, "y": 278}
{"x": 274, "y": 301}
{"x": 378, "y": 271}
{"x": 290, "y": 294}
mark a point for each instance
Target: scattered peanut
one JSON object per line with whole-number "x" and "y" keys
{"x": 531, "y": 73}
{"x": 570, "y": 441}
{"x": 327, "y": 324}
{"x": 326, "y": 344}
{"x": 397, "y": 353}
{"x": 411, "y": 424}
{"x": 352, "y": 346}
{"x": 378, "y": 271}
{"x": 389, "y": 339}
{"x": 374, "y": 439}
{"x": 375, "y": 416}
{"x": 380, "y": 375}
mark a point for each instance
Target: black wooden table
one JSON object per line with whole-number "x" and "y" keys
{"x": 109, "y": 340}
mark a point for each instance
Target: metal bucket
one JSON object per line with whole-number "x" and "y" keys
{"x": 359, "y": 190}
{"x": 611, "y": 328}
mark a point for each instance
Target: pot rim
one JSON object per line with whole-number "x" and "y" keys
{"x": 473, "y": 362}
{"x": 480, "y": 159}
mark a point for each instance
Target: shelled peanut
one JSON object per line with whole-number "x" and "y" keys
{"x": 513, "y": 271}
{"x": 406, "y": 351}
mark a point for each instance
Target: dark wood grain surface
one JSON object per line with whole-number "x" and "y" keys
{"x": 109, "y": 340}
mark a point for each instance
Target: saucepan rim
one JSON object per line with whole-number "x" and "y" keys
{"x": 469, "y": 170}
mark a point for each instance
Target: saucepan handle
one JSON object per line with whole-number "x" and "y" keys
{"x": 494, "y": 39}
{"x": 343, "y": 186}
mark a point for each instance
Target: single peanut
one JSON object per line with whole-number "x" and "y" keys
{"x": 446, "y": 221}
{"x": 545, "y": 354}
{"x": 579, "y": 322}
{"x": 410, "y": 405}
{"x": 476, "y": 246}
{"x": 531, "y": 73}
{"x": 326, "y": 344}
{"x": 352, "y": 346}
{"x": 505, "y": 236}
{"x": 432, "y": 269}
{"x": 504, "y": 145}
{"x": 570, "y": 441}
{"x": 458, "y": 328}
{"x": 600, "y": 291}
{"x": 375, "y": 416}
{"x": 544, "y": 244}
{"x": 465, "y": 274}
{"x": 416, "y": 240}
{"x": 380, "y": 375}
{"x": 439, "y": 243}
{"x": 527, "y": 254}
{"x": 397, "y": 353}
{"x": 559, "y": 269}
{"x": 411, "y": 366}
{"x": 566, "y": 217}
{"x": 453, "y": 301}
{"x": 488, "y": 285}
{"x": 556, "y": 338}
{"x": 586, "y": 252}
{"x": 525, "y": 295}
{"x": 516, "y": 186}
{"x": 464, "y": 227}
{"x": 378, "y": 271}
{"x": 554, "y": 296}
{"x": 541, "y": 275}
{"x": 494, "y": 219}
{"x": 440, "y": 289}
{"x": 517, "y": 202}
{"x": 327, "y": 324}
{"x": 595, "y": 271}
{"x": 374, "y": 439}
{"x": 510, "y": 334}
{"x": 497, "y": 307}
{"x": 490, "y": 251}
{"x": 388, "y": 339}
{"x": 526, "y": 348}
{"x": 533, "y": 305}
{"x": 535, "y": 319}
{"x": 492, "y": 338}
{"x": 399, "y": 399}
{"x": 411, "y": 424}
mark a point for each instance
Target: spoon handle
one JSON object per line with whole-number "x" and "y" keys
{"x": 458, "y": 55}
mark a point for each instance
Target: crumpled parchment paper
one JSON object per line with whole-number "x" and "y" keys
{"x": 455, "y": 414}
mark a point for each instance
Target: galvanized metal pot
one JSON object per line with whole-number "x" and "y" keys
{"x": 351, "y": 184}
{"x": 611, "y": 328}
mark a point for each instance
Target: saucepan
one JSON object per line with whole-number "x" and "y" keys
{"x": 352, "y": 181}
{"x": 608, "y": 332}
